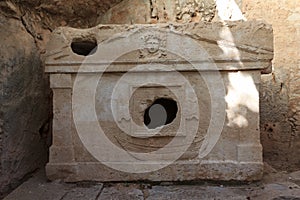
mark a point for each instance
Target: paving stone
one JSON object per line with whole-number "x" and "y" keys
{"x": 188, "y": 192}
{"x": 120, "y": 192}
{"x": 278, "y": 191}
{"x": 85, "y": 192}
{"x": 37, "y": 188}
{"x": 295, "y": 177}
{"x": 284, "y": 190}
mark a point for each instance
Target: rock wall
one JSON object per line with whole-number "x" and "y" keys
{"x": 25, "y": 96}
{"x": 159, "y": 11}
{"x": 25, "y": 109}
{"x": 280, "y": 99}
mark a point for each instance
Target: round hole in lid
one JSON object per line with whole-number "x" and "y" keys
{"x": 84, "y": 46}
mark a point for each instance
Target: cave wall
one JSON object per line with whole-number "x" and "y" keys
{"x": 25, "y": 110}
{"x": 280, "y": 98}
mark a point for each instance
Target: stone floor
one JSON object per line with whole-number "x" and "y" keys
{"x": 275, "y": 185}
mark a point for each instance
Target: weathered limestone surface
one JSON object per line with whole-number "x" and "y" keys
{"x": 79, "y": 152}
{"x": 24, "y": 111}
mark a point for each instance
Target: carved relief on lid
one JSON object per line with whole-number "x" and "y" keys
{"x": 154, "y": 45}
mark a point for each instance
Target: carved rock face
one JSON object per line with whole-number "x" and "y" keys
{"x": 195, "y": 10}
{"x": 160, "y": 11}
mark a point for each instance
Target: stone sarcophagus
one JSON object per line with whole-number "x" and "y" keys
{"x": 157, "y": 102}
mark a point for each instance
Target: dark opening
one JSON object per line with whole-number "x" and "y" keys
{"x": 84, "y": 47}
{"x": 161, "y": 112}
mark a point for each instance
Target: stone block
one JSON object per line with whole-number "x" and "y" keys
{"x": 60, "y": 81}
{"x": 158, "y": 102}
{"x": 62, "y": 109}
{"x": 60, "y": 154}
{"x": 249, "y": 153}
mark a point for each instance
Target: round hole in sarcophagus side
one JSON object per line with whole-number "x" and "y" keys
{"x": 84, "y": 46}
{"x": 162, "y": 112}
